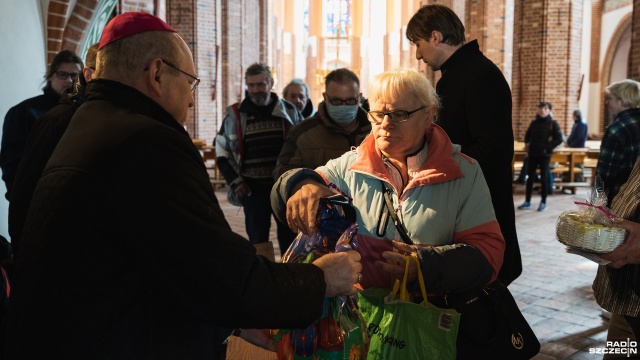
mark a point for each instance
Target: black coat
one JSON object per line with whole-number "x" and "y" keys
{"x": 542, "y": 136}
{"x": 476, "y": 114}
{"x": 40, "y": 144}
{"x": 126, "y": 253}
{"x": 18, "y": 123}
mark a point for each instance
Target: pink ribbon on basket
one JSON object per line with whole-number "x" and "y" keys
{"x": 599, "y": 207}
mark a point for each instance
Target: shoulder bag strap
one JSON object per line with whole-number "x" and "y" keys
{"x": 387, "y": 199}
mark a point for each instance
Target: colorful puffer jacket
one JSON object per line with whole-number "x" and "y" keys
{"x": 447, "y": 202}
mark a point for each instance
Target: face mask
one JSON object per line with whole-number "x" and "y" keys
{"x": 342, "y": 115}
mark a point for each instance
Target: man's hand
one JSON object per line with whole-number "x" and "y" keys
{"x": 629, "y": 251}
{"x": 395, "y": 261}
{"x": 302, "y": 206}
{"x": 259, "y": 337}
{"x": 243, "y": 189}
{"x": 341, "y": 271}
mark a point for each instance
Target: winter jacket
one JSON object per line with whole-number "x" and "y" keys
{"x": 18, "y": 123}
{"x": 446, "y": 203}
{"x": 578, "y": 135}
{"x": 318, "y": 140}
{"x": 542, "y": 136}
{"x": 126, "y": 253}
{"x": 229, "y": 141}
{"x": 476, "y": 114}
{"x": 41, "y": 142}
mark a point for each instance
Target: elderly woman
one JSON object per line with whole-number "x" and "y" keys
{"x": 439, "y": 194}
{"x": 620, "y": 146}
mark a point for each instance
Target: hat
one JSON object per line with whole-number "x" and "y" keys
{"x": 131, "y": 23}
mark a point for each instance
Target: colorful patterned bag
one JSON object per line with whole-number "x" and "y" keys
{"x": 340, "y": 333}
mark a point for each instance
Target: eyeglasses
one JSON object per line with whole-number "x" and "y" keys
{"x": 338, "y": 101}
{"x": 63, "y": 75}
{"x": 196, "y": 81}
{"x": 396, "y": 116}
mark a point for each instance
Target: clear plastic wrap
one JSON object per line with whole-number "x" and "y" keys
{"x": 591, "y": 226}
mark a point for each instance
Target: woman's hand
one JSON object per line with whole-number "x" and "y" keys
{"x": 394, "y": 263}
{"x": 629, "y": 252}
{"x": 302, "y": 206}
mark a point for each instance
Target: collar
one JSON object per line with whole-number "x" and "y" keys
{"x": 51, "y": 94}
{"x": 469, "y": 49}
{"x": 248, "y": 106}
{"x": 131, "y": 99}
{"x": 434, "y": 164}
{"x": 414, "y": 163}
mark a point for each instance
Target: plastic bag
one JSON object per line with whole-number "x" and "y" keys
{"x": 340, "y": 333}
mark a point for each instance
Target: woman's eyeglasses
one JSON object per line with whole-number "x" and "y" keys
{"x": 395, "y": 116}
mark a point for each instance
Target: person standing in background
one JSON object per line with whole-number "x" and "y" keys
{"x": 297, "y": 93}
{"x": 577, "y": 139}
{"x": 339, "y": 125}
{"x": 620, "y": 144}
{"x": 475, "y": 113}
{"x": 20, "y": 119}
{"x": 247, "y": 148}
{"x": 578, "y": 135}
{"x": 40, "y": 145}
{"x": 542, "y": 136}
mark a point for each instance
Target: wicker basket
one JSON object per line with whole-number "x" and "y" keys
{"x": 573, "y": 230}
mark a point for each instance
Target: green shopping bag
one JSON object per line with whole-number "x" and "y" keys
{"x": 401, "y": 329}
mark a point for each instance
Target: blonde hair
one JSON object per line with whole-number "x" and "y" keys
{"x": 628, "y": 91}
{"x": 402, "y": 82}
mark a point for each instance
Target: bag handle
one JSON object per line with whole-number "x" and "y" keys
{"x": 402, "y": 286}
{"x": 403, "y": 233}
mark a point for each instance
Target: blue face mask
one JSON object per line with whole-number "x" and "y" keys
{"x": 342, "y": 115}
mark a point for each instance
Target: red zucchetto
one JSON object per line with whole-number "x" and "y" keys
{"x": 131, "y": 23}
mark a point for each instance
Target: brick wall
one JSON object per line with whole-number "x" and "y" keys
{"x": 139, "y": 5}
{"x": 547, "y": 49}
{"x": 56, "y": 22}
{"x": 485, "y": 22}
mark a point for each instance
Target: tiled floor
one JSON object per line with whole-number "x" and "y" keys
{"x": 554, "y": 290}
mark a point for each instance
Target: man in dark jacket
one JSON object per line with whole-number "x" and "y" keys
{"x": 42, "y": 140}
{"x": 578, "y": 135}
{"x": 475, "y": 113}
{"x": 20, "y": 119}
{"x": 542, "y": 136}
{"x": 126, "y": 253}
{"x": 339, "y": 125}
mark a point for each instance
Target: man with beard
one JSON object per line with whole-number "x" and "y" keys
{"x": 247, "y": 147}
{"x": 20, "y": 119}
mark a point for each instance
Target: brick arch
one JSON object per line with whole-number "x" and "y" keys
{"x": 78, "y": 24}
{"x": 79, "y": 30}
{"x": 605, "y": 74}
{"x": 56, "y": 21}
